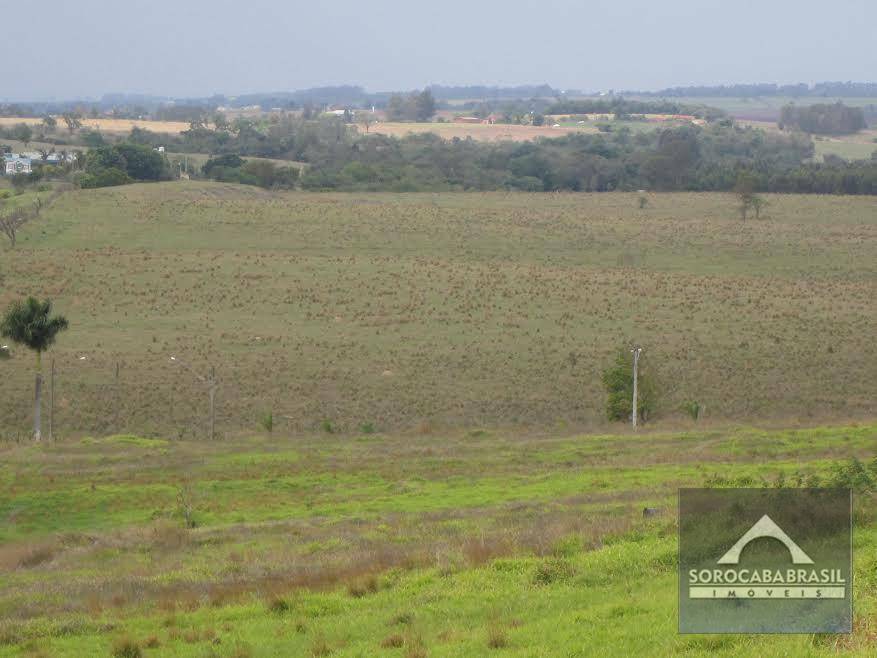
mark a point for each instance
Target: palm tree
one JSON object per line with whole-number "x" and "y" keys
{"x": 29, "y": 323}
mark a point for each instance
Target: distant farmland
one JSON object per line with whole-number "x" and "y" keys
{"x": 108, "y": 125}
{"x": 481, "y": 131}
{"x": 425, "y": 311}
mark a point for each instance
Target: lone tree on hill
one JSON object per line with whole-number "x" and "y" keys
{"x": 749, "y": 200}
{"x": 30, "y": 323}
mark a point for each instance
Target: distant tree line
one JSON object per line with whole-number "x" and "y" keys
{"x": 700, "y": 158}
{"x": 819, "y": 90}
{"x": 492, "y": 93}
{"x": 823, "y": 119}
{"x": 686, "y": 158}
{"x": 341, "y": 157}
{"x": 623, "y": 106}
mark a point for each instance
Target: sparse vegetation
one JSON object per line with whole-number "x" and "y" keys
{"x": 700, "y": 288}
{"x": 266, "y": 421}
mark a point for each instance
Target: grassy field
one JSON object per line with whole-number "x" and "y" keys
{"x": 460, "y": 544}
{"x": 423, "y": 312}
{"x": 479, "y": 131}
{"x": 197, "y": 160}
{"x": 858, "y": 146}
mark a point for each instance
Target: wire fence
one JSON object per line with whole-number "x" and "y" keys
{"x": 100, "y": 396}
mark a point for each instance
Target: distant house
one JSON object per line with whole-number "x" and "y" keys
{"x": 468, "y": 120}
{"x": 15, "y": 164}
{"x": 55, "y": 159}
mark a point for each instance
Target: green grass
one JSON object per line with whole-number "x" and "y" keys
{"x": 459, "y": 544}
{"x": 197, "y": 160}
{"x": 436, "y": 311}
{"x": 860, "y": 147}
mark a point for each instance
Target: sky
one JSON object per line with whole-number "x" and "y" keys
{"x": 181, "y": 48}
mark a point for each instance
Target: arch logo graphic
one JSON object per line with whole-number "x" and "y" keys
{"x": 765, "y": 561}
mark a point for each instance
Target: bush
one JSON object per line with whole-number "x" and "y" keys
{"x": 855, "y": 475}
{"x": 279, "y": 605}
{"x": 552, "y": 571}
{"x": 496, "y": 637}
{"x": 125, "y": 647}
{"x": 103, "y": 178}
{"x": 693, "y": 408}
{"x": 266, "y": 422}
{"x": 228, "y": 161}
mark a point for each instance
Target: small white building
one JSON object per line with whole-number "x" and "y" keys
{"x": 15, "y": 164}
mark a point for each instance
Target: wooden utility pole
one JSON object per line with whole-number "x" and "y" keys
{"x": 633, "y": 414}
{"x": 52, "y": 401}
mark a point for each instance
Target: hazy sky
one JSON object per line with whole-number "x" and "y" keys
{"x": 85, "y": 48}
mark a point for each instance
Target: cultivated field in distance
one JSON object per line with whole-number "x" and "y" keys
{"x": 495, "y": 132}
{"x": 399, "y": 312}
{"x": 109, "y": 125}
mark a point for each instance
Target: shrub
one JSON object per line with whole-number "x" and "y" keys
{"x": 362, "y": 587}
{"x": 552, "y": 571}
{"x": 104, "y": 178}
{"x": 320, "y": 648}
{"x": 266, "y": 422}
{"x": 496, "y": 637}
{"x": 125, "y": 647}
{"x": 855, "y": 475}
{"x": 367, "y": 428}
{"x": 278, "y": 605}
{"x": 403, "y": 618}
{"x": 693, "y": 408}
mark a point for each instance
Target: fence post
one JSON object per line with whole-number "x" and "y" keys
{"x": 212, "y": 385}
{"x": 116, "y": 400}
{"x": 52, "y": 401}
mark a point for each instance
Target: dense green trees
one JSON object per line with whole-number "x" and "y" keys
{"x": 234, "y": 169}
{"x": 699, "y": 158}
{"x": 122, "y": 163}
{"x": 414, "y": 107}
{"x": 683, "y": 158}
{"x": 823, "y": 119}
